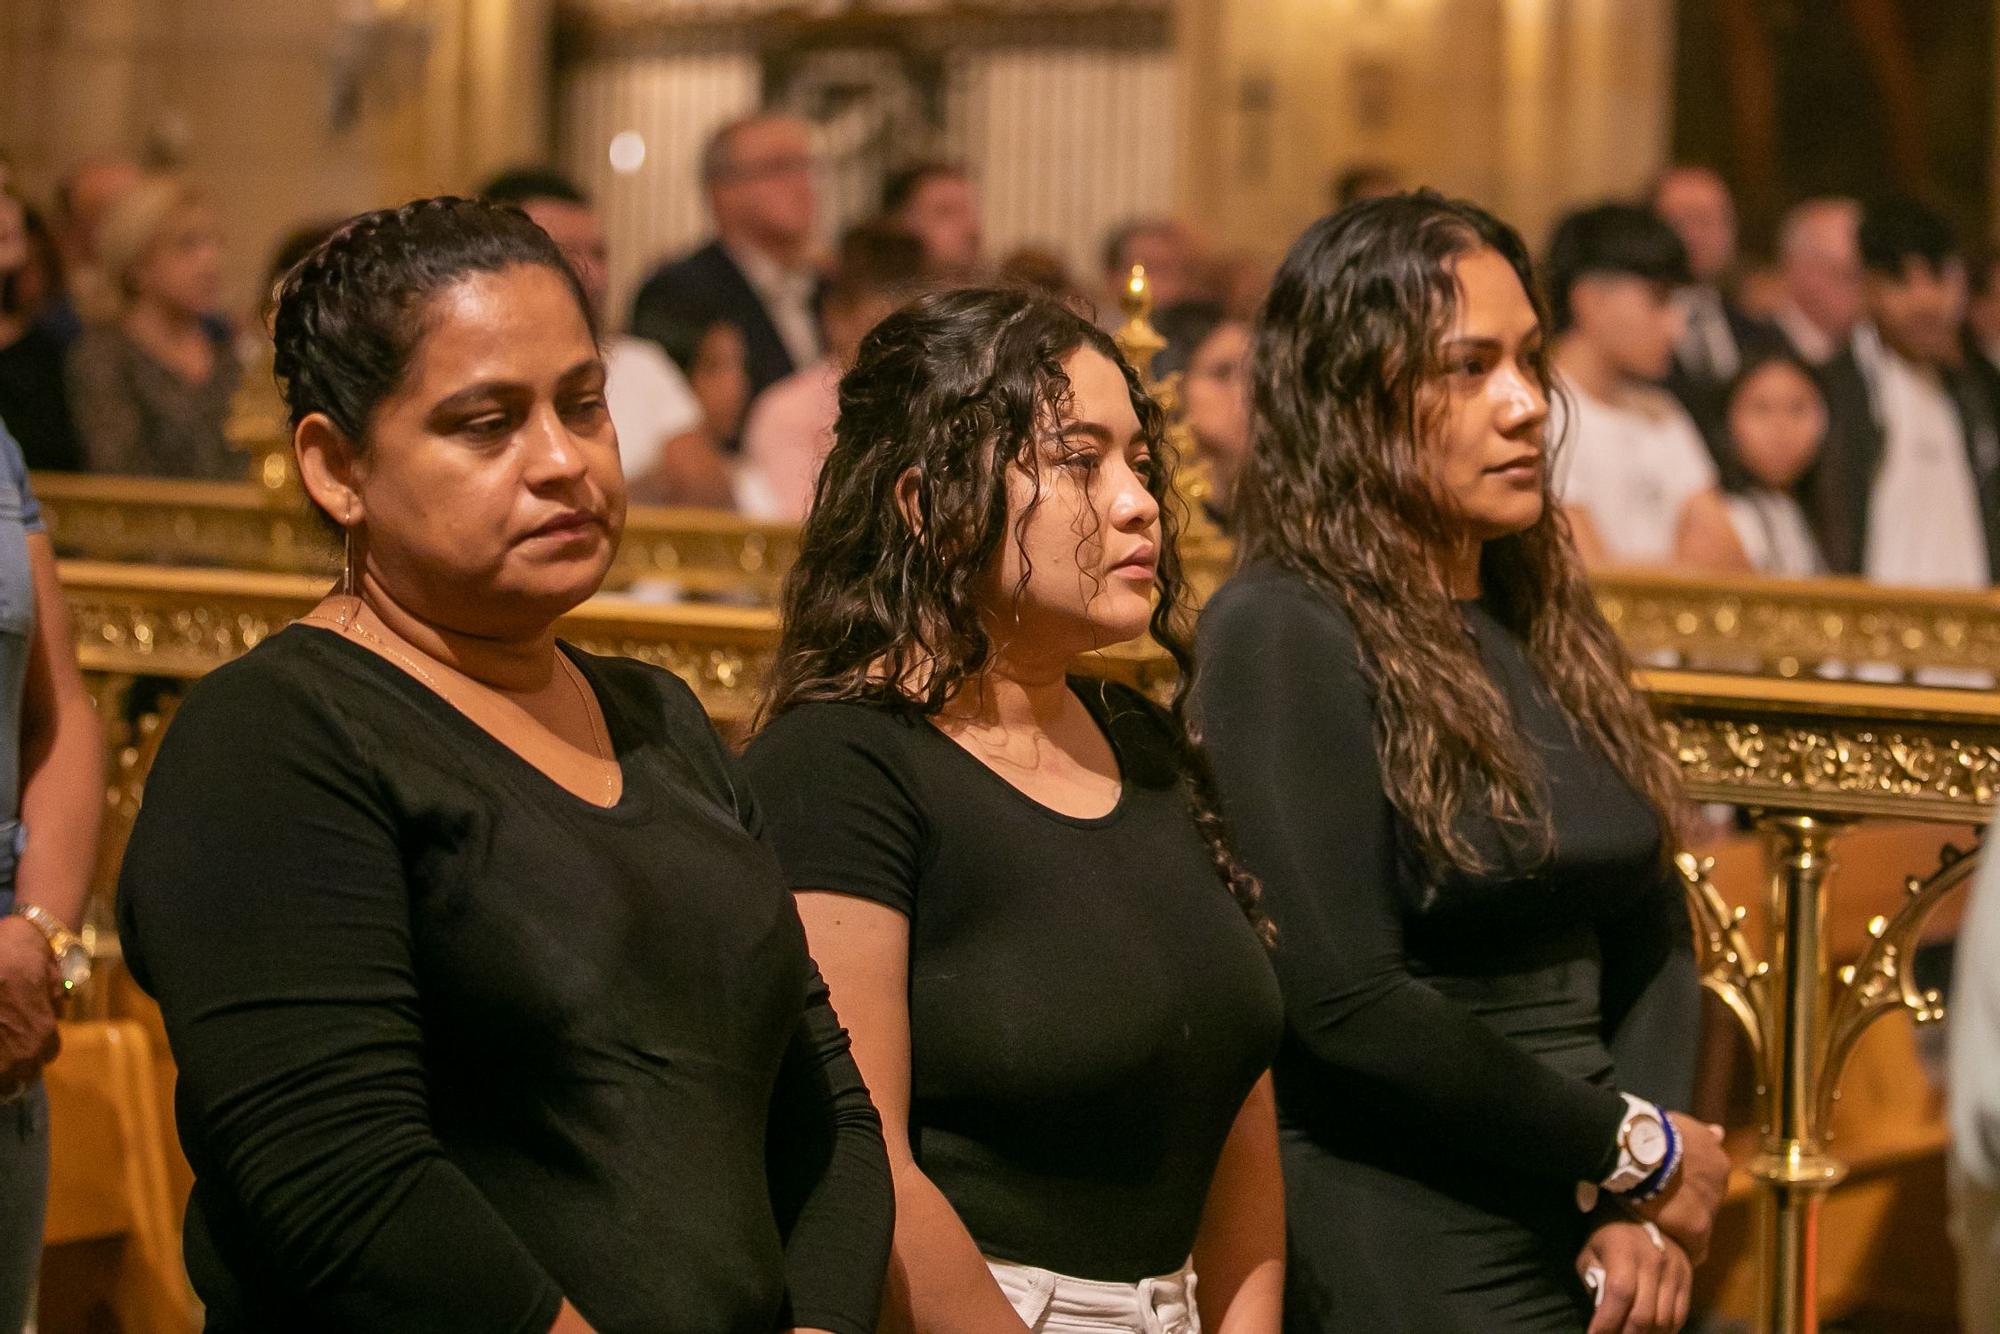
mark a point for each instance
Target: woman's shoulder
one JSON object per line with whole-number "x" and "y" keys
{"x": 824, "y": 726}
{"x": 1268, "y": 603}
{"x": 291, "y": 693}
{"x": 646, "y": 690}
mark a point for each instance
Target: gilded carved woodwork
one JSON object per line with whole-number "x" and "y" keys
{"x": 241, "y": 526}
{"x": 1737, "y": 624}
{"x": 1835, "y": 747}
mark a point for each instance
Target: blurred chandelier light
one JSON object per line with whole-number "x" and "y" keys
{"x": 627, "y": 152}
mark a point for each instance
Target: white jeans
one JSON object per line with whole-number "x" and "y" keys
{"x": 1050, "y": 1303}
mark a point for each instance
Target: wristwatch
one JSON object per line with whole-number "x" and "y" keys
{"x": 1643, "y": 1144}
{"x": 72, "y": 955}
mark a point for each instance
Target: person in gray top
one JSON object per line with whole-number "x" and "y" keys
{"x": 150, "y": 392}
{"x": 51, "y": 779}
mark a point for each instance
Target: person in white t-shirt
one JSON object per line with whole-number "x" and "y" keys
{"x": 1931, "y": 484}
{"x": 1636, "y": 481}
{"x": 668, "y": 455}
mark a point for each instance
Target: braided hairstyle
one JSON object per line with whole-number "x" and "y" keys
{"x": 959, "y": 386}
{"x": 351, "y": 313}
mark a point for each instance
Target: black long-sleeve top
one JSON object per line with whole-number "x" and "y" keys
{"x": 455, "y": 1044}
{"x": 1454, "y": 1051}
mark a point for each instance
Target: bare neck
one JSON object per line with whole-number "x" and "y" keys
{"x": 1012, "y": 696}
{"x": 513, "y": 664}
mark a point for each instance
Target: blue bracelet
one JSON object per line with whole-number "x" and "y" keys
{"x": 1664, "y": 1173}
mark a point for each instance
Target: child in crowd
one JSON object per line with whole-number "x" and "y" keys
{"x": 1776, "y": 424}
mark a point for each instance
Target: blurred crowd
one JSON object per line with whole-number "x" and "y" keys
{"x": 1834, "y": 410}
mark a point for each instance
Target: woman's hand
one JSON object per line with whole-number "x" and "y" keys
{"x": 1685, "y": 1211}
{"x": 1644, "y": 1283}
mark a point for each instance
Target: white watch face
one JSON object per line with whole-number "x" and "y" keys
{"x": 1646, "y": 1141}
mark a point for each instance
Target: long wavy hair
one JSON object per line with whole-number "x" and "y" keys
{"x": 957, "y": 389}
{"x": 1341, "y": 489}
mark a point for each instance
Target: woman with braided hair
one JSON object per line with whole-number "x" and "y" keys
{"x": 1055, "y": 975}
{"x": 491, "y": 1009}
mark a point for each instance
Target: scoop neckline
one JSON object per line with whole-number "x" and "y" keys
{"x": 632, "y": 801}
{"x": 1110, "y": 817}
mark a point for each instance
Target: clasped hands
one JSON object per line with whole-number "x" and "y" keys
{"x": 1647, "y": 1271}
{"x": 31, "y": 994}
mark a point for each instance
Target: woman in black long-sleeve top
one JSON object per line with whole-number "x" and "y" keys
{"x": 1432, "y": 760}
{"x": 491, "y": 1008}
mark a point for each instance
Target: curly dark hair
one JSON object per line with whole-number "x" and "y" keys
{"x": 957, "y": 388}
{"x": 1339, "y": 489}
{"x": 351, "y": 313}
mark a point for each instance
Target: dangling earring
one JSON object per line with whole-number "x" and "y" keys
{"x": 347, "y": 578}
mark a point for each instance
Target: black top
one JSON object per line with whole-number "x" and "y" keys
{"x": 34, "y": 401}
{"x": 455, "y": 1043}
{"x": 1452, "y": 1050}
{"x": 1088, "y": 1006}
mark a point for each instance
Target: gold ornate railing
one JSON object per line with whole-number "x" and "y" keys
{"x": 1743, "y": 624}
{"x": 242, "y": 526}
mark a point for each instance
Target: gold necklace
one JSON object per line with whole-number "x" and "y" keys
{"x": 348, "y": 623}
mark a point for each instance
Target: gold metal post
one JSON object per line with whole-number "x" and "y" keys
{"x": 1801, "y": 1025}
{"x": 1793, "y": 1166}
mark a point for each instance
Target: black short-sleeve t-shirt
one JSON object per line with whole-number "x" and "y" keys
{"x": 1088, "y": 1005}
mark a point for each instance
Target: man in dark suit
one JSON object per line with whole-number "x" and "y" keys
{"x": 757, "y": 274}
{"x": 1720, "y": 336}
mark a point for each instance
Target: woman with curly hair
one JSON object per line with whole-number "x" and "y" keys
{"x": 1054, "y": 974}
{"x": 491, "y": 1010}
{"x": 1460, "y": 813}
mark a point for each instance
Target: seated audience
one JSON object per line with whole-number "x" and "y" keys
{"x": 1630, "y": 465}
{"x": 712, "y": 355}
{"x": 757, "y": 274}
{"x": 151, "y": 391}
{"x": 664, "y": 444}
{"x": 1211, "y": 354}
{"x": 1982, "y": 307}
{"x": 1924, "y": 487}
{"x": 1041, "y": 269}
{"x": 83, "y": 200}
{"x": 34, "y": 401}
{"x": 1718, "y": 334}
{"x": 790, "y": 426}
{"x": 937, "y": 203}
{"x": 1819, "y": 260}
{"x": 490, "y": 1007}
{"x": 1166, "y": 250}
{"x": 1777, "y": 423}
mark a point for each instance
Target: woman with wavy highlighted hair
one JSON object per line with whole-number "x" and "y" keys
{"x": 1459, "y": 810}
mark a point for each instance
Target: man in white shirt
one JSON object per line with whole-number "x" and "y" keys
{"x": 668, "y": 456}
{"x": 1637, "y": 482}
{"x": 1934, "y": 478}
